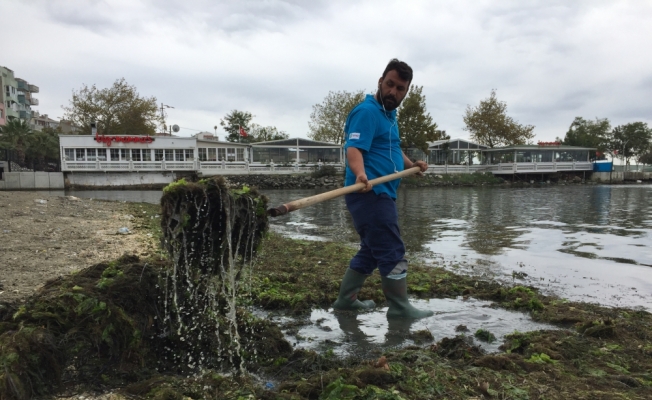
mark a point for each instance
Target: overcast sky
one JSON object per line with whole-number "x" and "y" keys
{"x": 550, "y": 60}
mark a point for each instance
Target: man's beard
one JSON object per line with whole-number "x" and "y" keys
{"x": 389, "y": 102}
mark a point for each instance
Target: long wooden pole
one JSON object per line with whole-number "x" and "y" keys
{"x": 308, "y": 201}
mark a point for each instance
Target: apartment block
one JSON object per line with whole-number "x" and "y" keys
{"x": 16, "y": 97}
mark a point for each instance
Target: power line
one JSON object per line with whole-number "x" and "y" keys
{"x": 191, "y": 129}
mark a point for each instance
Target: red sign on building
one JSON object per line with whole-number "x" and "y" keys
{"x": 123, "y": 139}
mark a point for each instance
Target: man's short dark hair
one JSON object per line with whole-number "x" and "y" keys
{"x": 402, "y": 69}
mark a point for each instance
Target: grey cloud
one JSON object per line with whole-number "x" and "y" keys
{"x": 94, "y": 16}
{"x": 230, "y": 16}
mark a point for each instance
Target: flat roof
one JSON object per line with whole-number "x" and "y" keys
{"x": 294, "y": 142}
{"x": 539, "y": 147}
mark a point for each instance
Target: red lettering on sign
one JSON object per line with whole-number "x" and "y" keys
{"x": 123, "y": 139}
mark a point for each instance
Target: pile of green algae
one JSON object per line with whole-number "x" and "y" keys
{"x": 100, "y": 331}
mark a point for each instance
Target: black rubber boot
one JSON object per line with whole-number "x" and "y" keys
{"x": 348, "y": 298}
{"x": 399, "y": 306}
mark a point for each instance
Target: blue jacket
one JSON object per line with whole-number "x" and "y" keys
{"x": 374, "y": 132}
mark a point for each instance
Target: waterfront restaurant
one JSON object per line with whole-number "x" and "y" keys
{"x": 296, "y": 151}
{"x": 202, "y": 153}
{"x": 206, "y": 156}
{"x": 455, "y": 152}
{"x": 127, "y": 153}
{"x": 543, "y": 157}
{"x": 463, "y": 156}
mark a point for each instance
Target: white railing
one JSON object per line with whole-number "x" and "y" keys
{"x": 128, "y": 166}
{"x": 114, "y": 166}
{"x": 218, "y": 167}
{"x": 510, "y": 168}
{"x": 148, "y": 165}
{"x": 211, "y": 167}
{"x": 455, "y": 169}
{"x": 79, "y": 165}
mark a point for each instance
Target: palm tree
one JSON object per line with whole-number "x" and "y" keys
{"x": 15, "y": 137}
{"x": 43, "y": 146}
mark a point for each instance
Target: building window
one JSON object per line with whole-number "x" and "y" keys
{"x": 91, "y": 155}
{"x": 211, "y": 155}
{"x": 202, "y": 154}
{"x": 178, "y": 155}
{"x": 115, "y": 154}
{"x": 69, "y": 154}
{"x": 230, "y": 154}
{"x": 147, "y": 155}
{"x": 221, "y": 154}
{"x": 124, "y": 154}
{"x": 101, "y": 154}
{"x": 523, "y": 156}
{"x": 169, "y": 155}
{"x": 240, "y": 153}
{"x": 158, "y": 155}
{"x": 135, "y": 154}
{"x": 190, "y": 154}
{"x": 80, "y": 154}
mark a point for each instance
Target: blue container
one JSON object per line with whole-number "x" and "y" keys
{"x": 602, "y": 166}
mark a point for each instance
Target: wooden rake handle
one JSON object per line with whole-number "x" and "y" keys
{"x": 318, "y": 198}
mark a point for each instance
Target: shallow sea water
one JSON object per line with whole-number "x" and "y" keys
{"x": 582, "y": 243}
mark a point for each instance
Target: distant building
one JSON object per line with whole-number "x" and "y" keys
{"x": 207, "y": 136}
{"x": 16, "y": 97}
{"x": 40, "y": 122}
{"x": 67, "y": 128}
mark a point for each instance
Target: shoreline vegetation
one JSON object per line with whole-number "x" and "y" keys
{"x": 330, "y": 178}
{"x": 93, "y": 332}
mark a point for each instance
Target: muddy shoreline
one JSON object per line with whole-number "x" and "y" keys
{"x": 44, "y": 237}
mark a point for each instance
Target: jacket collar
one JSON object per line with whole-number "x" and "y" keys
{"x": 372, "y": 98}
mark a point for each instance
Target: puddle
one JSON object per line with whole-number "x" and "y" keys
{"x": 369, "y": 334}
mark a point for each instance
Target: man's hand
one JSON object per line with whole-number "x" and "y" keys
{"x": 356, "y": 163}
{"x": 422, "y": 165}
{"x": 362, "y": 178}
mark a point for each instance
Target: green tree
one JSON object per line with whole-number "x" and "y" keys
{"x": 631, "y": 140}
{"x": 415, "y": 124}
{"x": 490, "y": 125}
{"x": 265, "y": 133}
{"x": 15, "y": 136}
{"x": 646, "y": 158}
{"x": 587, "y": 133}
{"x": 43, "y": 146}
{"x": 327, "y": 118}
{"x": 232, "y": 123}
{"x": 118, "y": 110}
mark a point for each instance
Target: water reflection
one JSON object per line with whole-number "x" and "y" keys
{"x": 370, "y": 333}
{"x": 580, "y": 242}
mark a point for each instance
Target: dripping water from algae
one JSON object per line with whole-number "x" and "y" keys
{"x": 211, "y": 234}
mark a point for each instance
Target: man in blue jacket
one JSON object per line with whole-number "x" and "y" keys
{"x": 373, "y": 150}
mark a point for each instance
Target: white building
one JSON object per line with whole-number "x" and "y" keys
{"x": 104, "y": 160}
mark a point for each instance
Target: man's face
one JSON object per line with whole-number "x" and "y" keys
{"x": 392, "y": 90}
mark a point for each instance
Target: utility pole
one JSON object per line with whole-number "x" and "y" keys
{"x": 163, "y": 115}
{"x": 624, "y": 149}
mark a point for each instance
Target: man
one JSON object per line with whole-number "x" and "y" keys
{"x": 373, "y": 150}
